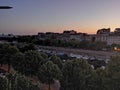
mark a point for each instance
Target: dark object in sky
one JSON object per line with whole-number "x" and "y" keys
{"x": 5, "y": 7}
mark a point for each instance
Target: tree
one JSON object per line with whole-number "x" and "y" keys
{"x": 48, "y": 73}
{"x": 19, "y": 82}
{"x": 45, "y": 58}
{"x": 112, "y": 81}
{"x": 100, "y": 79}
{"x": 33, "y": 60}
{"x": 7, "y": 51}
{"x": 77, "y": 75}
{"x": 29, "y": 62}
{"x": 84, "y": 44}
{"x": 18, "y": 62}
{"x": 3, "y": 83}
{"x": 56, "y": 60}
{"x": 27, "y": 47}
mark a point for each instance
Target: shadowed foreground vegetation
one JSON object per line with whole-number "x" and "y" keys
{"x": 72, "y": 74}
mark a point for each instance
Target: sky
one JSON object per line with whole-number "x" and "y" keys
{"x": 33, "y": 16}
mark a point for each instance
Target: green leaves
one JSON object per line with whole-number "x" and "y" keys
{"x": 56, "y": 60}
{"x": 49, "y": 72}
{"x": 113, "y": 74}
{"x": 72, "y": 74}
{"x": 29, "y": 62}
{"x": 17, "y": 82}
{"x": 76, "y": 75}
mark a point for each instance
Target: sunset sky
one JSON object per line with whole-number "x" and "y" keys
{"x": 33, "y": 16}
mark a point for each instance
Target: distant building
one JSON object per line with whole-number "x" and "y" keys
{"x": 40, "y": 35}
{"x": 102, "y": 35}
{"x": 117, "y": 31}
{"x": 69, "y": 32}
{"x": 48, "y": 35}
{"x": 78, "y": 36}
{"x": 103, "y": 31}
{"x": 113, "y": 40}
{"x": 6, "y": 35}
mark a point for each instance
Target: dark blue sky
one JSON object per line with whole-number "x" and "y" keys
{"x": 32, "y": 16}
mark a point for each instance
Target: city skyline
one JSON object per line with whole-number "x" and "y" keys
{"x": 31, "y": 17}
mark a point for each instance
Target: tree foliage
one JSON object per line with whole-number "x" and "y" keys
{"x": 56, "y": 60}
{"x": 29, "y": 62}
{"x": 113, "y": 74}
{"x": 3, "y": 84}
{"x": 17, "y": 82}
{"x": 77, "y": 75}
{"x": 6, "y": 53}
{"x": 49, "y": 72}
